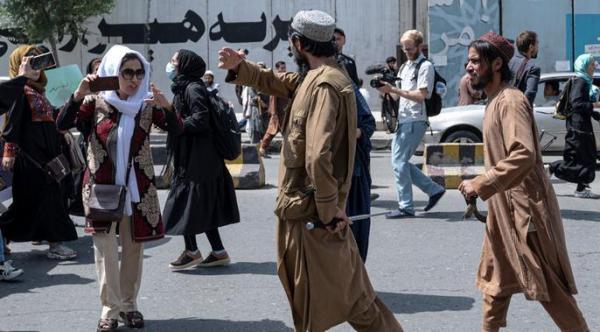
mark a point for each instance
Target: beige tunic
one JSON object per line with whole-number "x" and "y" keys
{"x": 322, "y": 274}
{"x": 520, "y": 200}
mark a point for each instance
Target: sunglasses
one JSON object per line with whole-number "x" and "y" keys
{"x": 128, "y": 74}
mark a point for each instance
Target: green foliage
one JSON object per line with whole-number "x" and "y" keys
{"x": 38, "y": 20}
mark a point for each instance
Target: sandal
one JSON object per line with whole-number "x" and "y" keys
{"x": 133, "y": 319}
{"x": 107, "y": 325}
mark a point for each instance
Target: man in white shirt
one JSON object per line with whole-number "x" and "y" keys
{"x": 414, "y": 88}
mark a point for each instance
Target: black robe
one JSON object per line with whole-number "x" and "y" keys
{"x": 39, "y": 208}
{"x": 579, "y": 156}
{"x": 359, "y": 197}
{"x": 202, "y": 195}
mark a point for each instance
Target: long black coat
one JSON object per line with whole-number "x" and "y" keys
{"x": 39, "y": 208}
{"x": 579, "y": 156}
{"x": 202, "y": 196}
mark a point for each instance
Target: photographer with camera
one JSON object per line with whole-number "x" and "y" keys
{"x": 412, "y": 123}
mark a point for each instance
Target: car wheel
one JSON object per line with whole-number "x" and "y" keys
{"x": 462, "y": 136}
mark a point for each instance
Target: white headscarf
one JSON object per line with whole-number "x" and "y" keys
{"x": 110, "y": 66}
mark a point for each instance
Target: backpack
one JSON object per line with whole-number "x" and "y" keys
{"x": 563, "y": 107}
{"x": 228, "y": 139}
{"x": 226, "y": 131}
{"x": 433, "y": 104}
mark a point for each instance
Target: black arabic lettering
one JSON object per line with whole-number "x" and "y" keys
{"x": 281, "y": 30}
{"x": 191, "y": 28}
{"x": 70, "y": 45}
{"x": 239, "y": 32}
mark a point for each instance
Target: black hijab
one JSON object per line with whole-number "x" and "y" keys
{"x": 191, "y": 69}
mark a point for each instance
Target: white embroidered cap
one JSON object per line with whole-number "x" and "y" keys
{"x": 314, "y": 24}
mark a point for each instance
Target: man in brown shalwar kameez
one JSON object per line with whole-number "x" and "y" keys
{"x": 524, "y": 246}
{"x": 320, "y": 269}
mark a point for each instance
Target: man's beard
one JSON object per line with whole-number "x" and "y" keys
{"x": 480, "y": 81}
{"x": 300, "y": 60}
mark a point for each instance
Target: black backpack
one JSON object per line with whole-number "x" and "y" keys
{"x": 563, "y": 107}
{"x": 433, "y": 104}
{"x": 228, "y": 139}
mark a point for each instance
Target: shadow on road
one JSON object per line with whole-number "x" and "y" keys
{"x": 392, "y": 204}
{"x": 581, "y": 215}
{"x": 264, "y": 268}
{"x": 37, "y": 267}
{"x": 414, "y": 303}
{"x": 195, "y": 324}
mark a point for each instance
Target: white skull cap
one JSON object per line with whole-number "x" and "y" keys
{"x": 314, "y": 25}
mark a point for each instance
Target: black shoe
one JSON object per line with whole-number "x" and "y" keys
{"x": 214, "y": 260}
{"x": 397, "y": 214}
{"x": 185, "y": 260}
{"x": 433, "y": 200}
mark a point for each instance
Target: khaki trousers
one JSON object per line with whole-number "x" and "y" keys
{"x": 562, "y": 306}
{"x": 118, "y": 286}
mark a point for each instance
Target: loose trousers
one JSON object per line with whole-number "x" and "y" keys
{"x": 562, "y": 306}
{"x": 119, "y": 285}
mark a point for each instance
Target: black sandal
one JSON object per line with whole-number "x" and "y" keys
{"x": 107, "y": 325}
{"x": 133, "y": 319}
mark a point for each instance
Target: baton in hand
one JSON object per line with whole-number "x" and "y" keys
{"x": 319, "y": 224}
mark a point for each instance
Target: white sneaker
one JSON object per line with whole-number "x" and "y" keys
{"x": 586, "y": 193}
{"x": 8, "y": 272}
{"x": 60, "y": 251}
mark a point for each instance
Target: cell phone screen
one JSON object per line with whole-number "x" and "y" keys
{"x": 107, "y": 83}
{"x": 42, "y": 61}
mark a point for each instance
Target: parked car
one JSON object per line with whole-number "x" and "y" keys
{"x": 462, "y": 124}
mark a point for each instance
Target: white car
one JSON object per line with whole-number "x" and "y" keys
{"x": 462, "y": 124}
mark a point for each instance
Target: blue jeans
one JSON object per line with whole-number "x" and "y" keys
{"x": 405, "y": 143}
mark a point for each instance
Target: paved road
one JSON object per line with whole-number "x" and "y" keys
{"x": 423, "y": 269}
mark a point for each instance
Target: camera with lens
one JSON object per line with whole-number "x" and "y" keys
{"x": 383, "y": 74}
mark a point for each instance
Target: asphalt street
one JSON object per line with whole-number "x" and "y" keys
{"x": 423, "y": 268}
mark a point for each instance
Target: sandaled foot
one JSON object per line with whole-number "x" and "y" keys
{"x": 107, "y": 325}
{"x": 132, "y": 319}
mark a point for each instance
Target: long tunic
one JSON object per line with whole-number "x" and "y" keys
{"x": 202, "y": 195}
{"x": 39, "y": 208}
{"x": 359, "y": 198}
{"x": 99, "y": 122}
{"x": 322, "y": 273}
{"x": 579, "y": 156}
{"x": 520, "y": 200}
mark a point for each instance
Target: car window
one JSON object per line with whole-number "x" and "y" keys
{"x": 549, "y": 91}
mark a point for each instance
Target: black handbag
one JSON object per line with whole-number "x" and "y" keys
{"x": 106, "y": 202}
{"x": 56, "y": 169}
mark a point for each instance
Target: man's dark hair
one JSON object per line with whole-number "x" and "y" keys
{"x": 488, "y": 53}
{"x": 318, "y": 49}
{"x": 279, "y": 64}
{"x": 390, "y": 59}
{"x": 339, "y": 31}
{"x": 526, "y": 39}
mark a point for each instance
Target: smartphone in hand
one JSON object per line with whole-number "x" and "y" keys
{"x": 42, "y": 61}
{"x": 107, "y": 83}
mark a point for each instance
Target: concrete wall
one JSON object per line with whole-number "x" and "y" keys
{"x": 205, "y": 26}
{"x": 453, "y": 24}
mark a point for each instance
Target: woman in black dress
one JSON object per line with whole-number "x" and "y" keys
{"x": 39, "y": 208}
{"x": 579, "y": 156}
{"x": 202, "y": 196}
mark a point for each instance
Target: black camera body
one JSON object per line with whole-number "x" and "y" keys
{"x": 383, "y": 73}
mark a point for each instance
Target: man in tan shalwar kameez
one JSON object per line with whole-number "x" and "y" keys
{"x": 320, "y": 269}
{"x": 524, "y": 246}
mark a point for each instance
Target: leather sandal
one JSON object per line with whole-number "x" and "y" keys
{"x": 132, "y": 319}
{"x": 107, "y": 325}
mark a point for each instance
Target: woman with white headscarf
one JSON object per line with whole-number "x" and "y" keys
{"x": 117, "y": 127}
